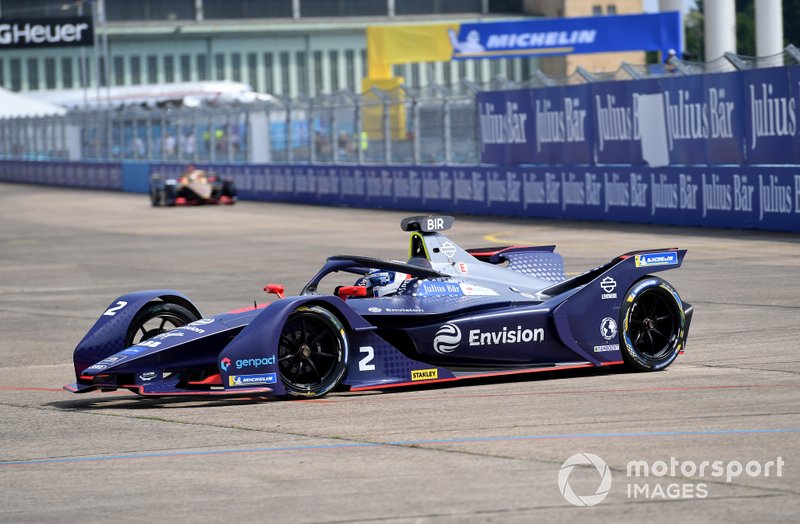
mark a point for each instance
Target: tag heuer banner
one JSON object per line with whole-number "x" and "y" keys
{"x": 75, "y": 31}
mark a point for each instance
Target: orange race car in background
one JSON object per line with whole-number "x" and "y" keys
{"x": 195, "y": 186}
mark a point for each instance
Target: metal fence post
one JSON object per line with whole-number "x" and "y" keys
{"x": 149, "y": 136}
{"x": 359, "y": 130}
{"x": 334, "y": 135}
{"x": 110, "y": 135}
{"x": 387, "y": 132}
{"x": 288, "y": 133}
{"x": 312, "y": 134}
{"x": 415, "y": 149}
{"x": 448, "y": 146}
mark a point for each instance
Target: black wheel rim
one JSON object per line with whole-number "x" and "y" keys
{"x": 308, "y": 351}
{"x": 156, "y": 325}
{"x": 653, "y": 325}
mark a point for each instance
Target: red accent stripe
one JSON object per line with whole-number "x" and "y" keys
{"x": 477, "y": 254}
{"x": 211, "y": 380}
{"x": 242, "y": 391}
{"x": 401, "y": 384}
{"x": 483, "y": 375}
{"x": 249, "y": 308}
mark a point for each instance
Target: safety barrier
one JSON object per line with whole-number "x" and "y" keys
{"x": 747, "y": 197}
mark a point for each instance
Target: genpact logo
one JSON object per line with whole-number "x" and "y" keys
{"x": 447, "y": 339}
{"x": 255, "y": 362}
{"x": 225, "y": 363}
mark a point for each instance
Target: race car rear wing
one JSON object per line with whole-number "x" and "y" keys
{"x": 647, "y": 259}
{"x": 427, "y": 224}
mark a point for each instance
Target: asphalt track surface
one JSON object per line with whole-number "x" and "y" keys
{"x": 489, "y": 450}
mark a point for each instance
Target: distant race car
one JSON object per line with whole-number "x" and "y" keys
{"x": 445, "y": 314}
{"x": 193, "y": 187}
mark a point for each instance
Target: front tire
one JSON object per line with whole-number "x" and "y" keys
{"x": 653, "y": 322}
{"x": 312, "y": 352}
{"x": 157, "y": 318}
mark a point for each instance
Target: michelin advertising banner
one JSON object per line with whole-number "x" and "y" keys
{"x": 725, "y": 118}
{"x": 560, "y": 36}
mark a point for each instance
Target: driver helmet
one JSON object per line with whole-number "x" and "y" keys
{"x": 380, "y": 283}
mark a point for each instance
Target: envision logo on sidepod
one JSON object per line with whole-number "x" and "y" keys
{"x": 447, "y": 339}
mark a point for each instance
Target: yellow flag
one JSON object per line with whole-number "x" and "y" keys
{"x": 402, "y": 44}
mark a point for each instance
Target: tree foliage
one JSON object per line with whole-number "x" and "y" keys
{"x": 745, "y": 28}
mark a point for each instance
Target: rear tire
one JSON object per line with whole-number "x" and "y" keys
{"x": 228, "y": 189}
{"x": 169, "y": 195}
{"x": 157, "y": 197}
{"x": 312, "y": 352}
{"x": 653, "y": 323}
{"x": 157, "y": 318}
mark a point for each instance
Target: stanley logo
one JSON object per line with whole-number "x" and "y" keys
{"x": 424, "y": 374}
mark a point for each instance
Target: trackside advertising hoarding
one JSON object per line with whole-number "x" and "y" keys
{"x": 747, "y": 197}
{"x": 746, "y": 117}
{"x": 559, "y": 36}
{"x": 74, "y": 31}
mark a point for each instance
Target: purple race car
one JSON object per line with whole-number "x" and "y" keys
{"x": 444, "y": 314}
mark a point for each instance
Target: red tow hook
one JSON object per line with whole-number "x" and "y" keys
{"x": 275, "y": 289}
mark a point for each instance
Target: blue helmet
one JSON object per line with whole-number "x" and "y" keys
{"x": 380, "y": 283}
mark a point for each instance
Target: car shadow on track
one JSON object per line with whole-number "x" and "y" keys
{"x": 464, "y": 384}
{"x": 120, "y": 400}
{"x": 132, "y": 401}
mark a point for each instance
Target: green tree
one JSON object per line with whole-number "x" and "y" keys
{"x": 694, "y": 30}
{"x": 791, "y": 17}
{"x": 745, "y": 28}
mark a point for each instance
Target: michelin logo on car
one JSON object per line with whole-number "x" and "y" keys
{"x": 252, "y": 380}
{"x": 657, "y": 259}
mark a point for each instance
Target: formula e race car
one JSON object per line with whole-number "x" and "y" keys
{"x": 445, "y": 314}
{"x": 193, "y": 187}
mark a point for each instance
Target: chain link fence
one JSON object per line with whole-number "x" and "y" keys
{"x": 429, "y": 125}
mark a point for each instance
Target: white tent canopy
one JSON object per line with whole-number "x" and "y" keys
{"x": 13, "y": 105}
